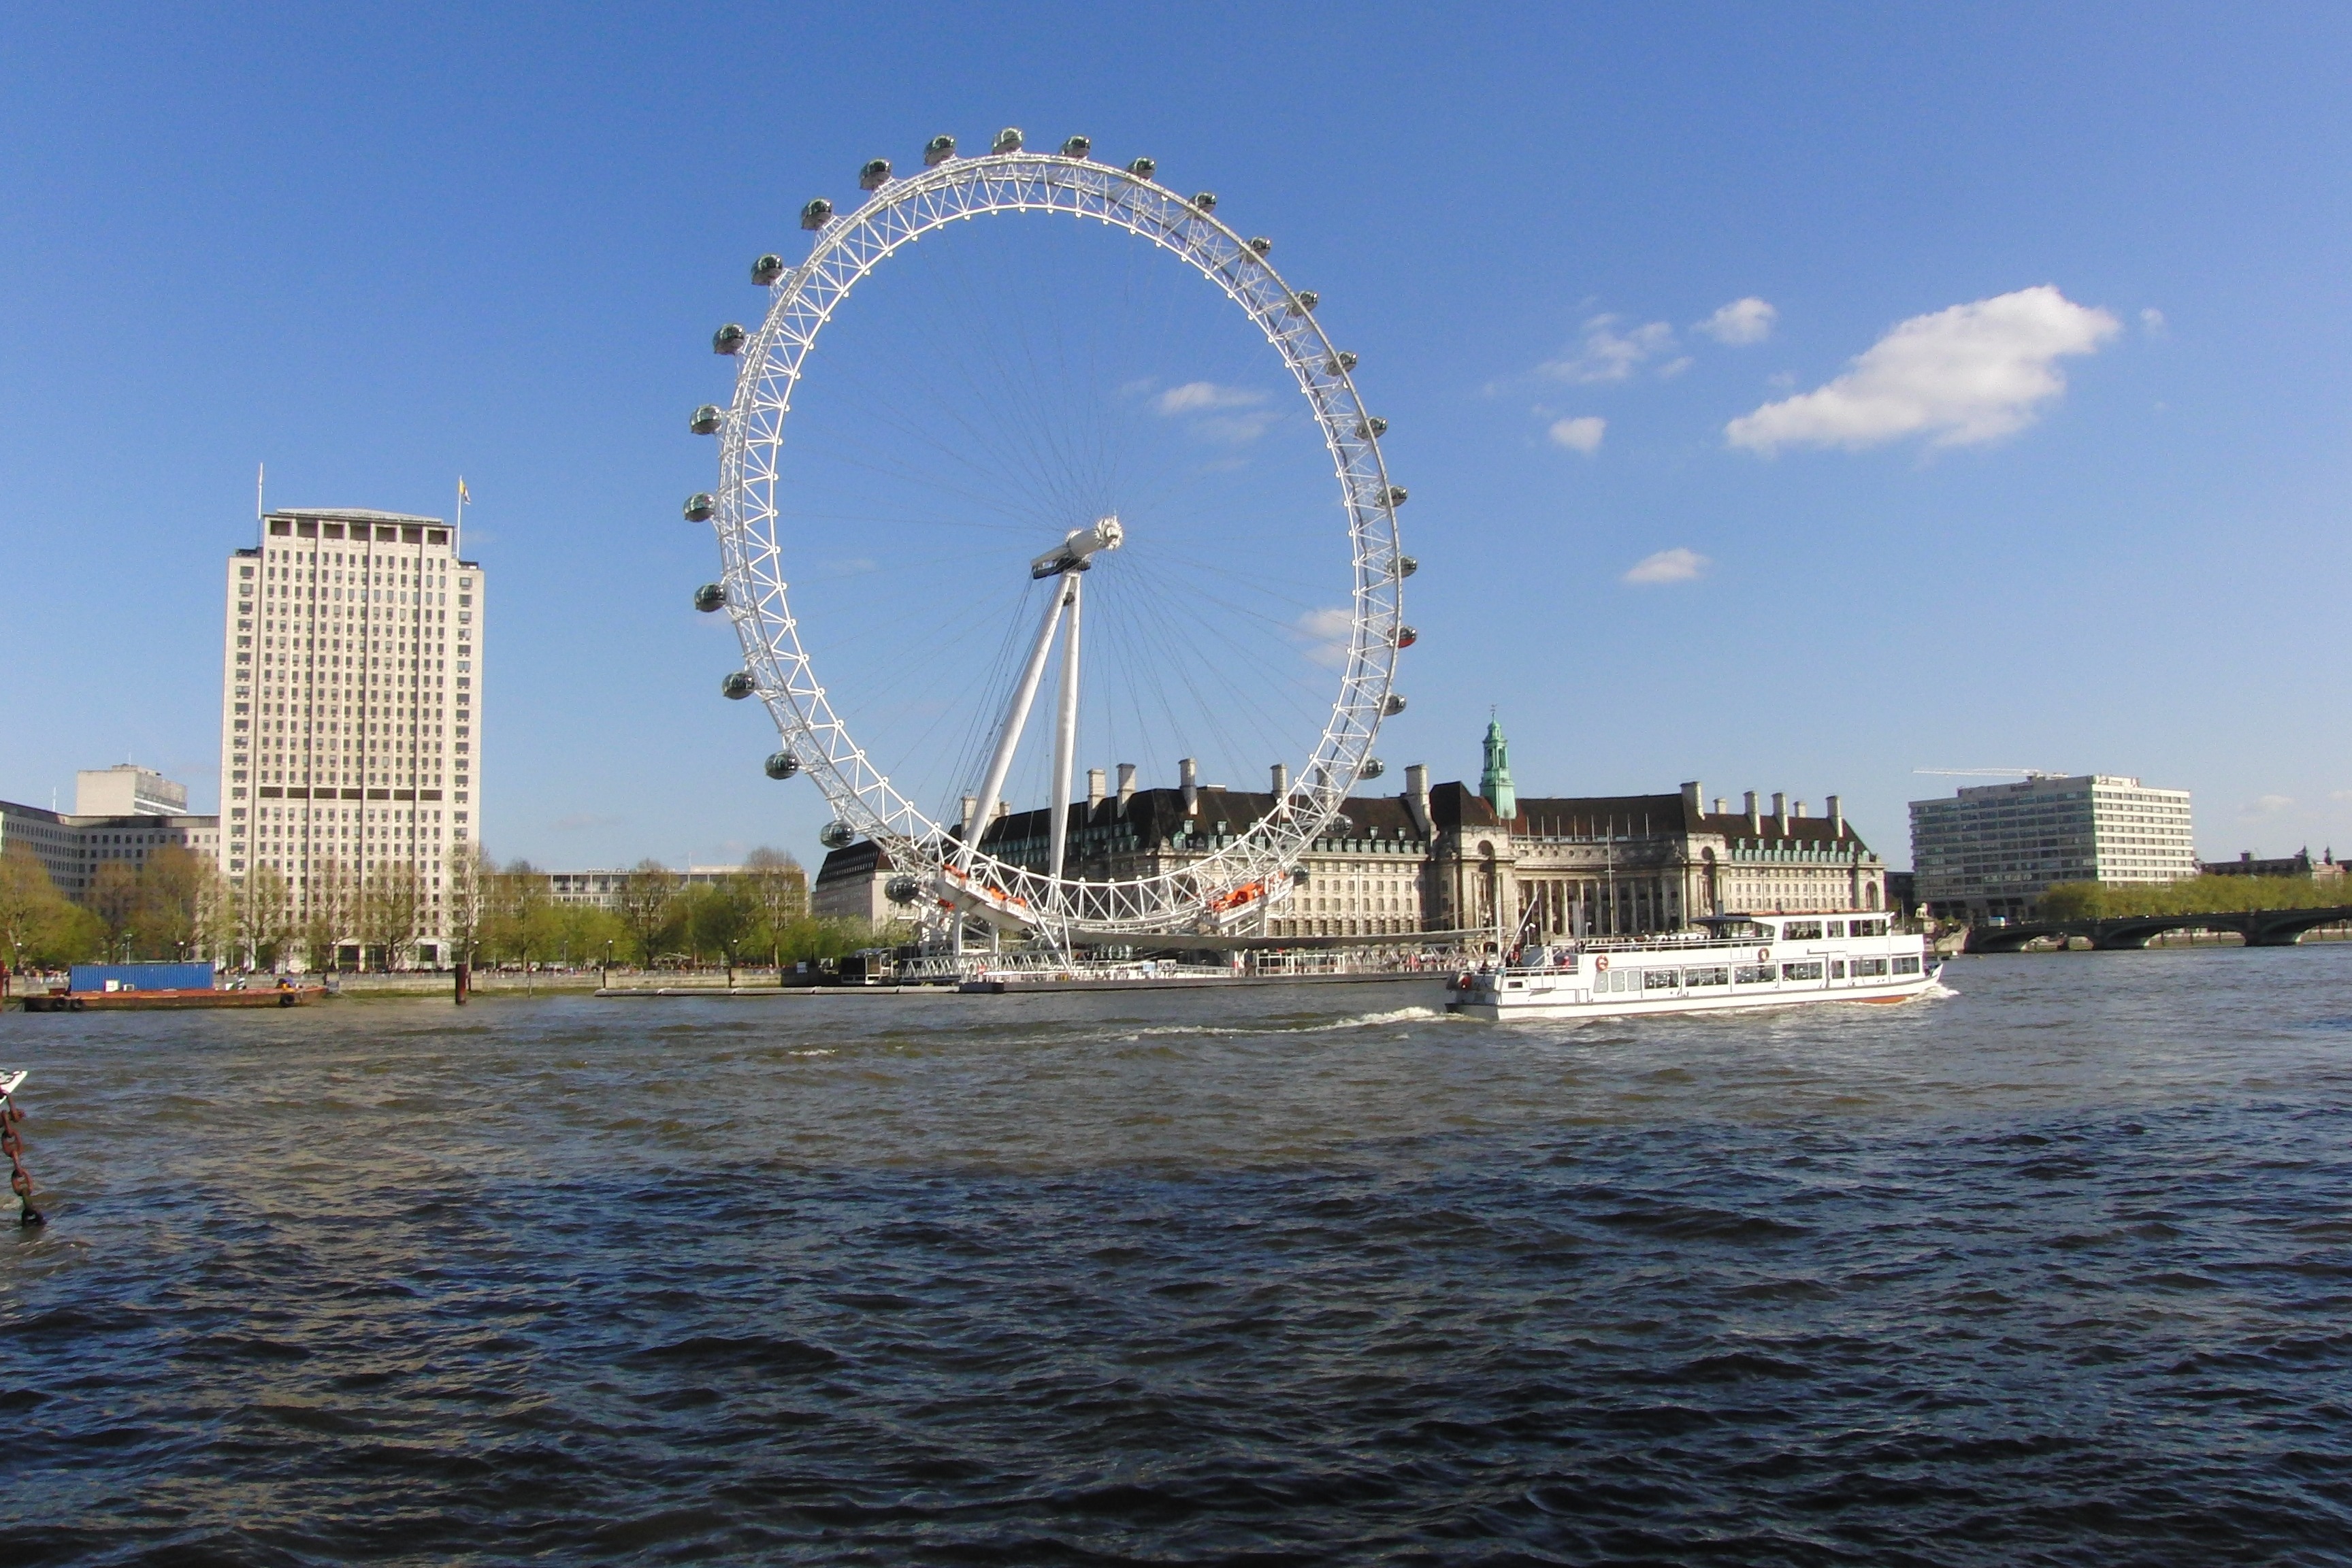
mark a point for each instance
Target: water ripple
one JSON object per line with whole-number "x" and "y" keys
{"x": 2050, "y": 1270}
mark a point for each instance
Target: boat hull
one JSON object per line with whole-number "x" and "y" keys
{"x": 1533, "y": 1005}
{"x": 147, "y": 1001}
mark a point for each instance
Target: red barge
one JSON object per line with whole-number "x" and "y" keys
{"x": 134, "y": 987}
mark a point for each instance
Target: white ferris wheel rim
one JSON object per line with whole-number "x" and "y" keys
{"x": 850, "y": 247}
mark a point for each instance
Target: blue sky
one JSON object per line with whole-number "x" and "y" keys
{"x": 2024, "y": 441}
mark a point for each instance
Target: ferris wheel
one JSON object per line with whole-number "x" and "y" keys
{"x": 937, "y": 834}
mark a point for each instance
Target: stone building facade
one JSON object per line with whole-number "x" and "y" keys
{"x": 1444, "y": 859}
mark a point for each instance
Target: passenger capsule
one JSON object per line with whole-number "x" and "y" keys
{"x": 1260, "y": 244}
{"x": 1304, "y": 301}
{"x": 699, "y": 506}
{"x": 836, "y": 835}
{"x": 1406, "y": 636}
{"x": 1206, "y": 201}
{"x": 710, "y": 596}
{"x": 736, "y": 687}
{"x": 817, "y": 214}
{"x": 902, "y": 890}
{"x": 707, "y": 419}
{"x": 1392, "y": 705}
{"x": 875, "y": 175}
{"x": 729, "y": 339}
{"x": 937, "y": 151}
{"x": 1143, "y": 168}
{"x": 1370, "y": 426}
{"x": 1077, "y": 147}
{"x": 1339, "y": 363}
{"x": 1407, "y": 565}
{"x": 767, "y": 269}
{"x": 1373, "y": 768}
{"x": 1397, "y": 495}
{"x": 1007, "y": 140}
{"x": 782, "y": 766}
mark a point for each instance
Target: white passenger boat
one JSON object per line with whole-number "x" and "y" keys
{"x": 1729, "y": 960}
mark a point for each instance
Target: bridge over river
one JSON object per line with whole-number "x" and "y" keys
{"x": 2260, "y": 927}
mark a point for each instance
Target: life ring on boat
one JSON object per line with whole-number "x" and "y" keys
{"x": 1462, "y": 980}
{"x": 1600, "y": 964}
{"x": 1763, "y": 955}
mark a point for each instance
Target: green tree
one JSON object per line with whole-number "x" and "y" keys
{"x": 649, "y": 907}
{"x": 469, "y": 873}
{"x": 2189, "y": 896}
{"x": 389, "y": 907}
{"x": 326, "y": 914}
{"x": 780, "y": 888}
{"x": 30, "y": 906}
{"x": 264, "y": 916}
{"x": 726, "y": 916}
{"x": 114, "y": 896}
{"x": 515, "y": 925}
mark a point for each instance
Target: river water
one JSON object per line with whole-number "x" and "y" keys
{"x": 2053, "y": 1269}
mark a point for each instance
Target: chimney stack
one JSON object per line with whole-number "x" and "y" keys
{"x": 1796, "y": 808}
{"x": 1094, "y": 779}
{"x": 1722, "y": 807}
{"x": 971, "y": 812}
{"x": 1126, "y": 784}
{"x": 1837, "y": 819}
{"x": 1693, "y": 800}
{"x": 1281, "y": 775}
{"x": 1755, "y": 819}
{"x": 1781, "y": 812}
{"x": 1189, "y": 771}
{"x": 1416, "y": 799}
{"x": 1003, "y": 810}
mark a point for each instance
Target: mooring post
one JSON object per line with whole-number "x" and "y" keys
{"x": 463, "y": 975}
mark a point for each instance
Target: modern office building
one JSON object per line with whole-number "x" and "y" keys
{"x": 602, "y": 887}
{"x": 122, "y": 813}
{"x": 350, "y": 712}
{"x": 1445, "y": 858}
{"x": 1992, "y": 850}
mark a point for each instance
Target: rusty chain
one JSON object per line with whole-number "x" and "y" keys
{"x": 20, "y": 1180}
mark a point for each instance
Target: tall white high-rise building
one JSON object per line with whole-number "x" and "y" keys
{"x": 351, "y": 722}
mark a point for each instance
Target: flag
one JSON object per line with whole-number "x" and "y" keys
{"x": 463, "y": 494}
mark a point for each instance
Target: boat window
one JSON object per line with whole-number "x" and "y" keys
{"x": 1716, "y": 977}
{"x": 1869, "y": 928}
{"x": 1837, "y": 969}
{"x": 1837, "y": 927}
{"x": 1625, "y": 980}
{"x": 1801, "y": 931}
{"x": 1863, "y": 967}
{"x": 1801, "y": 971}
{"x": 1906, "y": 967}
{"x": 1660, "y": 979}
{"x": 1753, "y": 974}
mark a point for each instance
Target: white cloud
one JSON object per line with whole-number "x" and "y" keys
{"x": 2152, "y": 322}
{"x": 1228, "y": 416}
{"x": 2267, "y": 805}
{"x": 1972, "y": 372}
{"x": 1200, "y": 397}
{"x": 1608, "y": 354}
{"x": 1579, "y": 435}
{"x": 1741, "y": 322}
{"x": 1676, "y": 565}
{"x": 1326, "y": 635}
